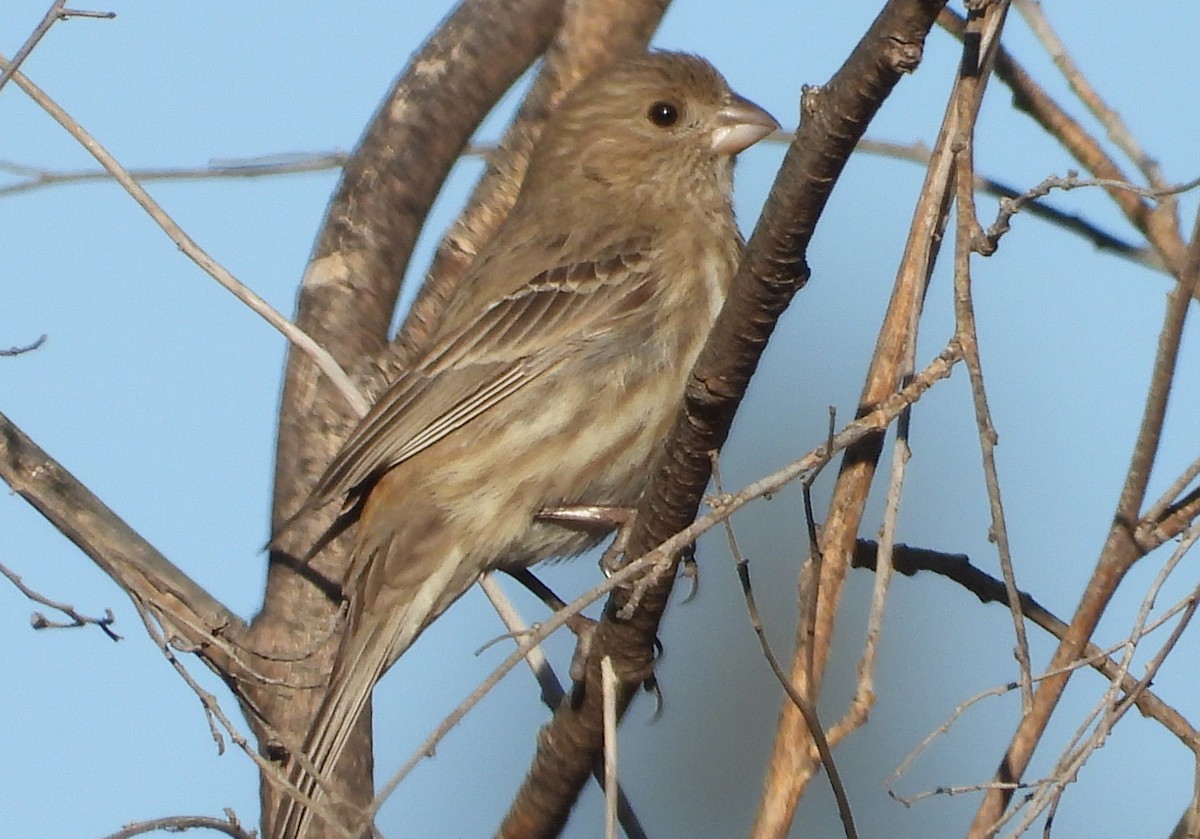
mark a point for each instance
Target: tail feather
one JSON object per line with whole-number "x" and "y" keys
{"x": 372, "y": 644}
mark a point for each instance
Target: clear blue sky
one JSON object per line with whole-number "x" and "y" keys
{"x": 158, "y": 390}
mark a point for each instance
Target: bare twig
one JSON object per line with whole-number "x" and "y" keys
{"x": 32, "y": 177}
{"x": 230, "y": 826}
{"x": 791, "y": 764}
{"x": 57, "y": 11}
{"x": 41, "y": 339}
{"x": 40, "y": 621}
{"x": 1010, "y": 207}
{"x": 1100, "y": 238}
{"x": 143, "y": 572}
{"x": 864, "y": 692}
{"x": 1116, "y": 701}
{"x": 960, "y": 709}
{"x": 803, "y": 703}
{"x": 608, "y": 685}
{"x": 218, "y": 721}
{"x": 1121, "y": 549}
{"x": 957, "y": 568}
{"x": 1118, "y": 132}
{"x": 864, "y": 687}
{"x": 552, "y": 690}
{"x": 811, "y": 568}
{"x": 189, "y": 247}
{"x": 1160, "y": 228}
{"x": 968, "y": 99}
{"x": 1159, "y": 508}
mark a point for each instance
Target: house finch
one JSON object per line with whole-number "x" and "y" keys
{"x": 555, "y": 372}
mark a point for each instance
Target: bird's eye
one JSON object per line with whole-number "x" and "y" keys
{"x": 663, "y": 114}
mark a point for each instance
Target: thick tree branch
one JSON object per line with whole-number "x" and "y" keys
{"x": 772, "y": 271}
{"x": 150, "y": 579}
{"x": 346, "y": 303}
{"x": 352, "y": 283}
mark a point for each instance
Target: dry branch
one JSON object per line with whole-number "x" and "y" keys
{"x": 772, "y": 270}
{"x": 193, "y": 617}
{"x": 346, "y": 302}
{"x": 791, "y": 764}
{"x": 1121, "y": 550}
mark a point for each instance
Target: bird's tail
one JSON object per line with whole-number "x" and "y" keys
{"x": 371, "y": 645}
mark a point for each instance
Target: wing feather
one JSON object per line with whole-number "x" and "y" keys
{"x": 471, "y": 369}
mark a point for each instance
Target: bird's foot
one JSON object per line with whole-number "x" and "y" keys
{"x": 594, "y": 516}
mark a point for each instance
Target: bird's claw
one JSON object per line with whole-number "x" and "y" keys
{"x": 690, "y": 571}
{"x": 602, "y": 516}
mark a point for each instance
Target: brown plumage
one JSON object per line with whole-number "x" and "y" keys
{"x": 556, "y": 369}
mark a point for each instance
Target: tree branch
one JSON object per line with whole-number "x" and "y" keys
{"x": 142, "y": 572}
{"x": 791, "y": 763}
{"x": 1120, "y": 552}
{"x": 957, "y": 568}
{"x": 346, "y": 303}
{"x": 772, "y": 271}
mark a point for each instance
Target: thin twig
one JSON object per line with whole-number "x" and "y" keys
{"x": 1093, "y": 732}
{"x": 193, "y": 251}
{"x": 552, "y": 689}
{"x": 40, "y": 621}
{"x": 803, "y": 703}
{"x": 1161, "y": 229}
{"x": 55, "y": 13}
{"x": 968, "y": 99}
{"x": 1156, "y": 510}
{"x": 1010, "y": 207}
{"x": 270, "y": 771}
{"x": 791, "y": 765}
{"x": 1101, "y": 239}
{"x": 864, "y": 692}
{"x": 1118, "y": 132}
{"x": 608, "y": 687}
{"x": 957, "y": 568}
{"x": 956, "y": 714}
{"x": 41, "y": 339}
{"x": 1121, "y": 549}
{"x": 33, "y": 178}
{"x": 230, "y": 826}
{"x": 810, "y": 570}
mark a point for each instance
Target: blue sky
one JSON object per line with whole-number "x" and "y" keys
{"x": 158, "y": 390}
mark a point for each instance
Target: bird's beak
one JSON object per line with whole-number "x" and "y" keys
{"x": 740, "y": 124}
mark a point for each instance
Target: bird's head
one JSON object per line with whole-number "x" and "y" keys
{"x": 659, "y": 130}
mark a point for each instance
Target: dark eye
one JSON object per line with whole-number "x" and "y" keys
{"x": 663, "y": 114}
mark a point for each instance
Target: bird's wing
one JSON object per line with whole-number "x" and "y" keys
{"x": 473, "y": 367}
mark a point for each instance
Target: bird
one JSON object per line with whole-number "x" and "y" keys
{"x": 553, "y": 375}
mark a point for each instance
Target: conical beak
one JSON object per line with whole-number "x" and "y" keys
{"x": 740, "y": 124}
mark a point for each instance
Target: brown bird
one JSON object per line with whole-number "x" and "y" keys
{"x": 554, "y": 373}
